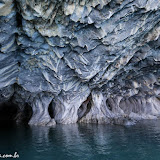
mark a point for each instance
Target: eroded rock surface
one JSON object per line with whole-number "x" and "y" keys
{"x": 90, "y": 61}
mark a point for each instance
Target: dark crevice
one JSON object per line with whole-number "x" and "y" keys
{"x": 108, "y": 105}
{"x": 18, "y": 15}
{"x": 85, "y": 108}
{"x": 19, "y": 20}
{"x": 19, "y": 64}
{"x": 51, "y": 110}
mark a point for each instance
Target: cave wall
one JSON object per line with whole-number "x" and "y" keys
{"x": 90, "y": 61}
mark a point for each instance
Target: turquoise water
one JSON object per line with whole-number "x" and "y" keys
{"x": 83, "y": 142}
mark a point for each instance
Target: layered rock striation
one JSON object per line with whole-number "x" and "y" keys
{"x": 88, "y": 61}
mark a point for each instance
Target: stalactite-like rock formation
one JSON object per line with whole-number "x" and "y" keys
{"x": 88, "y": 61}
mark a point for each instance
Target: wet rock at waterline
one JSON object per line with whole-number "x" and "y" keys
{"x": 80, "y": 61}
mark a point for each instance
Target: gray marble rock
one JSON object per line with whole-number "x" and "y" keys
{"x": 87, "y": 61}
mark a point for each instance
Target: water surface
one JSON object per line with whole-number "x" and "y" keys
{"x": 83, "y": 142}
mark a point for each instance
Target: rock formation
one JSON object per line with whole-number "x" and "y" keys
{"x": 88, "y": 61}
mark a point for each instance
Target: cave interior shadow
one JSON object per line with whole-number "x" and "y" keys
{"x": 11, "y": 114}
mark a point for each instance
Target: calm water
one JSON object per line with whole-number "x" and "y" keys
{"x": 83, "y": 142}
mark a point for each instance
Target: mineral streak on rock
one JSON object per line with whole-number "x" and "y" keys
{"x": 88, "y": 61}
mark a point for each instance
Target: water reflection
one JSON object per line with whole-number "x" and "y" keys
{"x": 84, "y": 141}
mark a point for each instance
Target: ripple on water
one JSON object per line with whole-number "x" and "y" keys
{"x": 84, "y": 142}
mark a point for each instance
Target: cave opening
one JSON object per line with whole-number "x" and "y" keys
{"x": 11, "y": 114}
{"x": 8, "y": 113}
{"x": 109, "y": 105}
{"x": 51, "y": 109}
{"x": 85, "y": 108}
